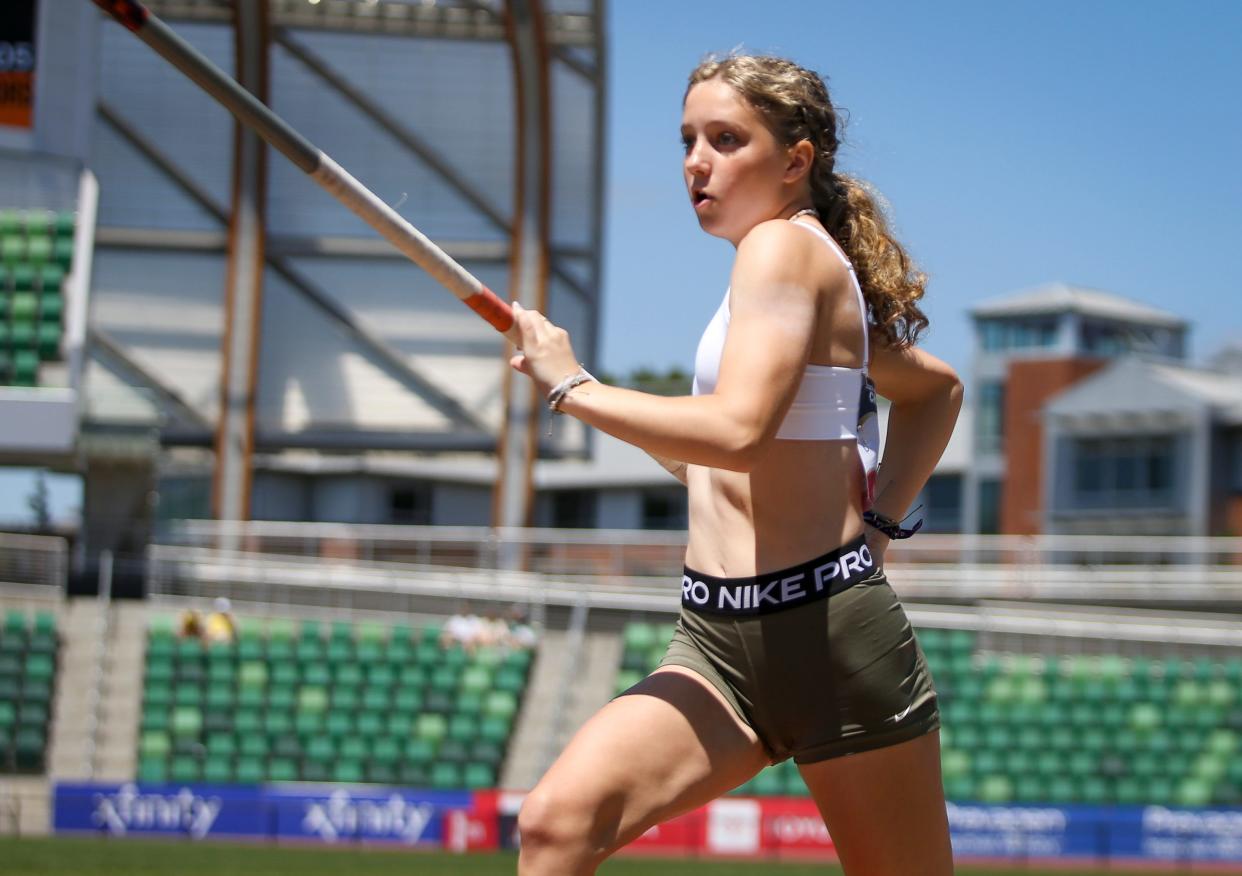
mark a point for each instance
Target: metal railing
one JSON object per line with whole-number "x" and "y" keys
{"x": 34, "y": 559}
{"x": 642, "y": 563}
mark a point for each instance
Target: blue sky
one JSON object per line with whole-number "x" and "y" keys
{"x": 1017, "y": 143}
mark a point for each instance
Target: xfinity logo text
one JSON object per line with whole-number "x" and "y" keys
{"x": 343, "y": 816}
{"x": 128, "y": 809}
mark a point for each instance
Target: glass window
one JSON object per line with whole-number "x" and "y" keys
{"x": 990, "y": 417}
{"x": 989, "y": 506}
{"x": 942, "y": 503}
{"x": 1123, "y": 472}
{"x": 410, "y": 504}
{"x": 573, "y": 509}
{"x": 1236, "y": 478}
{"x": 665, "y": 509}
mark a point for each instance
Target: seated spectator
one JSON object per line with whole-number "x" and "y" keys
{"x": 493, "y": 630}
{"x": 521, "y": 634}
{"x": 191, "y": 626}
{"x": 464, "y": 629}
{"x": 219, "y": 628}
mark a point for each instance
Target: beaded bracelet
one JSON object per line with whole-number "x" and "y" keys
{"x": 558, "y": 393}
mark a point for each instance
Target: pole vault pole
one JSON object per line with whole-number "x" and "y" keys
{"x": 317, "y": 164}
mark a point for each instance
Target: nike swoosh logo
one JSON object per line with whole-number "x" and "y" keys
{"x": 901, "y": 714}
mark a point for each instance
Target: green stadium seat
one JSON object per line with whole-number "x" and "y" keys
{"x": 431, "y": 727}
{"x": 153, "y": 771}
{"x": 369, "y": 653}
{"x": 348, "y": 771}
{"x": 445, "y": 776}
{"x": 345, "y": 699}
{"x": 217, "y": 771}
{"x": 315, "y": 673}
{"x": 154, "y": 744}
{"x": 420, "y": 751}
{"x": 399, "y": 725}
{"x": 187, "y": 721}
{"x": 312, "y": 699}
{"x": 38, "y": 249}
{"x": 415, "y": 775}
{"x": 370, "y": 724}
{"x": 62, "y": 252}
{"x": 381, "y": 773}
{"x": 500, "y": 704}
{"x": 63, "y": 224}
{"x": 12, "y": 249}
{"x": 252, "y": 674}
{"x": 278, "y": 723}
{"x": 462, "y": 728}
{"x": 493, "y": 729}
{"x": 253, "y": 746}
{"x": 375, "y": 699}
{"x": 282, "y": 769}
{"x": 483, "y": 751}
{"x": 249, "y": 771}
{"x": 478, "y": 776}
{"x": 184, "y": 769}
{"x": 438, "y": 702}
{"x": 283, "y": 698}
{"x": 386, "y": 750}
{"x": 307, "y": 724}
{"x": 407, "y": 700}
{"x": 221, "y": 744}
{"x": 339, "y": 724}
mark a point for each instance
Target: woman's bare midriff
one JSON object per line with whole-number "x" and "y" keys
{"x": 801, "y": 500}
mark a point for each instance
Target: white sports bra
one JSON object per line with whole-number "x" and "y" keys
{"x": 833, "y": 402}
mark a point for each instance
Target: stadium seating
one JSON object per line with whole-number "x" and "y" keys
{"x": 1031, "y": 728}
{"x": 301, "y": 702}
{"x": 28, "y": 659}
{"x": 36, "y": 250}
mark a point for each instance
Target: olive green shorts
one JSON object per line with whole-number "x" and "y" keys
{"x": 836, "y": 676}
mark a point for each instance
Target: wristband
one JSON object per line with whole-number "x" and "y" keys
{"x": 558, "y": 393}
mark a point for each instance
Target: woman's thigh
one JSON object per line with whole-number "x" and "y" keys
{"x": 885, "y": 809}
{"x": 666, "y": 746}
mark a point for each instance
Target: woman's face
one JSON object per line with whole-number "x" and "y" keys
{"x": 734, "y": 167}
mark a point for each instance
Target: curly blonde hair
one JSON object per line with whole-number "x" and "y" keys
{"x": 793, "y": 101}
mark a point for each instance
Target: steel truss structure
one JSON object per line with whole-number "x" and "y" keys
{"x": 248, "y": 315}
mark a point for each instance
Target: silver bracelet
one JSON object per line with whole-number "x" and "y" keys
{"x": 558, "y": 393}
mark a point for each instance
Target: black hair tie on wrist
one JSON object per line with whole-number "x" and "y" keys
{"x": 890, "y": 527}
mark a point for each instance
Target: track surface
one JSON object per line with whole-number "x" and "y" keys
{"x": 94, "y": 857}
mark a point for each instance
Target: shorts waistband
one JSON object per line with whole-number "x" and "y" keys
{"x": 807, "y": 582}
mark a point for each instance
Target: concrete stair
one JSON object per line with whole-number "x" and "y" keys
{"x": 536, "y": 741}
{"x": 68, "y": 756}
{"x": 120, "y": 714}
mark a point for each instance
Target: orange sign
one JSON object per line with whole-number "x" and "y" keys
{"x": 17, "y": 62}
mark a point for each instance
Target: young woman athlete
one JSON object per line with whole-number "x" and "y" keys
{"x": 790, "y": 641}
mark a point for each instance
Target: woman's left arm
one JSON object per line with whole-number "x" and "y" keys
{"x": 926, "y": 396}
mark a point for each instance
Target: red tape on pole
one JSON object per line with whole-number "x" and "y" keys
{"x": 489, "y": 306}
{"x": 130, "y": 13}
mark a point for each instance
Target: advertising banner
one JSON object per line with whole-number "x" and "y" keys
{"x": 745, "y": 827}
{"x": 1158, "y": 832}
{"x": 311, "y": 813}
{"x": 17, "y": 62}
